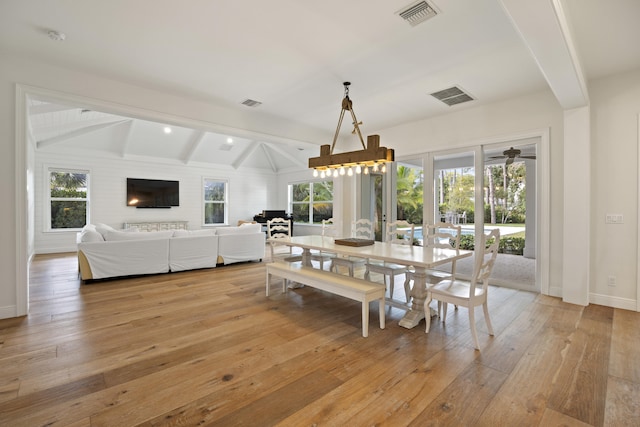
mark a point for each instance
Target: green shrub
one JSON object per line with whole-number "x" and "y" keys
{"x": 507, "y": 244}
{"x": 512, "y": 245}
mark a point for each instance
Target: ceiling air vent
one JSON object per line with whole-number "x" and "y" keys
{"x": 418, "y": 12}
{"x": 452, "y": 96}
{"x": 251, "y": 103}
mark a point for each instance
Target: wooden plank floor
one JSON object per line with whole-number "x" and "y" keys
{"x": 208, "y": 348}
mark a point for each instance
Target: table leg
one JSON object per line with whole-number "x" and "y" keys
{"x": 418, "y": 295}
{"x": 306, "y": 260}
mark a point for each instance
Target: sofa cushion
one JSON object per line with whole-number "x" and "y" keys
{"x": 243, "y": 229}
{"x": 191, "y": 233}
{"x": 116, "y": 235}
{"x": 91, "y": 235}
{"x": 104, "y": 229}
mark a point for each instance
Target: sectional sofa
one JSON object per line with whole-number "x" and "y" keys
{"x": 105, "y": 252}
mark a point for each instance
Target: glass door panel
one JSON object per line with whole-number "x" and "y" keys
{"x": 454, "y": 193}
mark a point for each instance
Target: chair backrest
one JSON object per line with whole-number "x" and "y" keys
{"x": 400, "y": 233}
{"x": 362, "y": 229}
{"x": 488, "y": 250}
{"x": 328, "y": 228}
{"x": 441, "y": 235}
{"x": 278, "y": 228}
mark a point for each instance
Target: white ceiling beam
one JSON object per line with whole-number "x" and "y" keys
{"x": 269, "y": 158}
{"x": 287, "y": 155}
{"x": 78, "y": 132}
{"x": 126, "y": 138}
{"x": 49, "y": 108}
{"x": 544, "y": 29}
{"x": 192, "y": 146}
{"x": 253, "y": 146}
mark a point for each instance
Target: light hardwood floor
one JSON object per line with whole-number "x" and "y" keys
{"x": 208, "y": 348}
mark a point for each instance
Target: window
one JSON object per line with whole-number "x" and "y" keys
{"x": 311, "y": 202}
{"x": 215, "y": 201}
{"x": 68, "y": 199}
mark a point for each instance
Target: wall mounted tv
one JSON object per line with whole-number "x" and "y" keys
{"x": 152, "y": 193}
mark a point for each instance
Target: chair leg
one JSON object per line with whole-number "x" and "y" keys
{"x": 485, "y": 307}
{"x": 472, "y": 323}
{"x": 392, "y": 284}
{"x": 366, "y": 274}
{"x": 444, "y": 311}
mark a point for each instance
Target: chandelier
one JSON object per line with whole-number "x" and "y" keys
{"x": 372, "y": 156}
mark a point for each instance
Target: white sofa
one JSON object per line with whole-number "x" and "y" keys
{"x": 104, "y": 252}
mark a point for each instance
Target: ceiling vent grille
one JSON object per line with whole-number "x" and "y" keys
{"x": 452, "y": 96}
{"x": 251, "y": 103}
{"x": 418, "y": 13}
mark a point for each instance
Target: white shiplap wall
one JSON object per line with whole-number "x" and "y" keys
{"x": 250, "y": 191}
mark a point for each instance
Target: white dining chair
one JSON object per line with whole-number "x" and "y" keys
{"x": 279, "y": 229}
{"x": 398, "y": 233}
{"x": 442, "y": 235}
{"x": 470, "y": 293}
{"x": 321, "y": 257}
{"x": 360, "y": 229}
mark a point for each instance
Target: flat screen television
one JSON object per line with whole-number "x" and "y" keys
{"x": 152, "y": 193}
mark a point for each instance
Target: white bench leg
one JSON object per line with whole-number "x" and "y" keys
{"x": 365, "y": 319}
{"x": 382, "y": 313}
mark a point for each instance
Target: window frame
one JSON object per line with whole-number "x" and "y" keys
{"x": 48, "y": 199}
{"x": 225, "y": 202}
{"x": 311, "y": 202}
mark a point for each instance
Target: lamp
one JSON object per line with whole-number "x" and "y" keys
{"x": 371, "y": 155}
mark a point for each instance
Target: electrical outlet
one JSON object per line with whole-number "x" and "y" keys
{"x": 611, "y": 281}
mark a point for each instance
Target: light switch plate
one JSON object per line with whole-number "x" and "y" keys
{"x": 614, "y": 219}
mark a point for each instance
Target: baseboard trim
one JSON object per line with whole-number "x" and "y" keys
{"x": 8, "y": 312}
{"x": 615, "y": 302}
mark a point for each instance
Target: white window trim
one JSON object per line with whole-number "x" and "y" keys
{"x": 48, "y": 199}
{"x": 311, "y": 202}
{"x": 225, "y": 202}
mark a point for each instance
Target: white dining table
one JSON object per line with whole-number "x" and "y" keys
{"x": 420, "y": 258}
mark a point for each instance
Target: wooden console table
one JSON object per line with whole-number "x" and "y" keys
{"x": 158, "y": 226}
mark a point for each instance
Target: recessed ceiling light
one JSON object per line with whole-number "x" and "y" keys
{"x": 57, "y": 36}
{"x": 167, "y": 130}
{"x": 229, "y": 140}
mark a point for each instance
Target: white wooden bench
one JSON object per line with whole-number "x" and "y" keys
{"x": 338, "y": 284}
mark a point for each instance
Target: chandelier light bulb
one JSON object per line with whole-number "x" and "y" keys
{"x": 315, "y": 173}
{"x": 375, "y": 167}
{"x": 384, "y": 168}
{"x": 350, "y": 172}
{"x": 342, "y": 170}
{"x": 358, "y": 169}
{"x": 322, "y": 174}
{"x": 335, "y": 173}
{"x": 365, "y": 170}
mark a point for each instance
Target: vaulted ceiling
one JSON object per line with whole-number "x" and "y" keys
{"x": 292, "y": 57}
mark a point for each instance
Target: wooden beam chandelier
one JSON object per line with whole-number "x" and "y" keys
{"x": 371, "y": 156}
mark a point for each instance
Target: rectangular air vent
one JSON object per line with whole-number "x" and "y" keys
{"x": 417, "y": 13}
{"x": 452, "y": 96}
{"x": 251, "y": 103}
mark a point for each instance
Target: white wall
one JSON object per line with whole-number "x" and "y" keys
{"x": 249, "y": 193}
{"x": 615, "y": 106}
